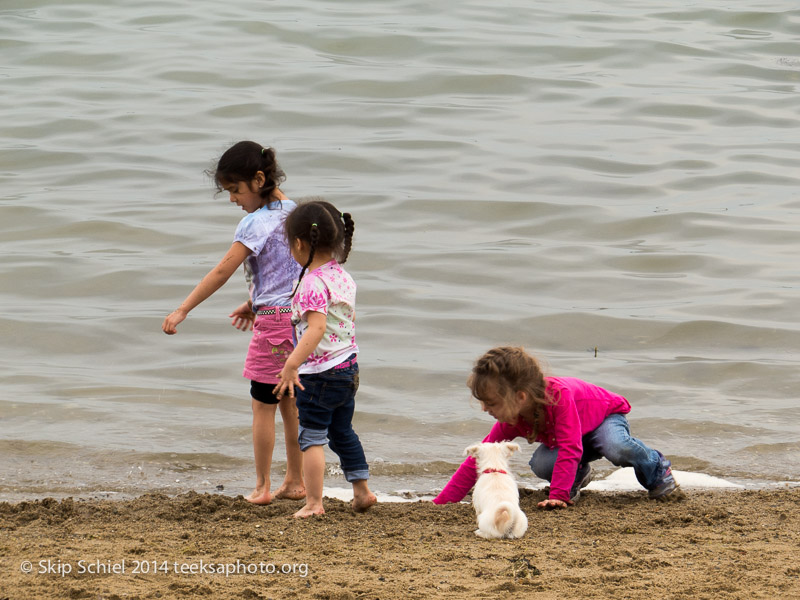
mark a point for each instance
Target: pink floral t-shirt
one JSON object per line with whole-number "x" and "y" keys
{"x": 331, "y": 291}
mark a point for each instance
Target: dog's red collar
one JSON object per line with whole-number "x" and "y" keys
{"x": 495, "y": 471}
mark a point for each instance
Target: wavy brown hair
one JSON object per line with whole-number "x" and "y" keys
{"x": 506, "y": 370}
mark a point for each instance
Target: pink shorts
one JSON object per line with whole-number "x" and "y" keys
{"x": 270, "y": 347}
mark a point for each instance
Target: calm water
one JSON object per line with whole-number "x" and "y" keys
{"x": 619, "y": 176}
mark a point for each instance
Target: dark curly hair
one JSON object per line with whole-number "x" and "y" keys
{"x": 242, "y": 161}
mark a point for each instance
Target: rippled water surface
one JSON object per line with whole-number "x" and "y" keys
{"x": 613, "y": 185}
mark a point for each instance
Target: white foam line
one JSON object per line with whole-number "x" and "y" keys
{"x": 625, "y": 480}
{"x": 621, "y": 480}
{"x": 346, "y": 495}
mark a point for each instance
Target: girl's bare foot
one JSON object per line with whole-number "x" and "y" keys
{"x": 291, "y": 492}
{"x": 309, "y": 511}
{"x": 363, "y": 502}
{"x": 259, "y": 497}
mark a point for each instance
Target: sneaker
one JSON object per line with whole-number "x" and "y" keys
{"x": 667, "y": 484}
{"x": 582, "y": 478}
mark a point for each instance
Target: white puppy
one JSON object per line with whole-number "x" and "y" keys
{"x": 496, "y": 496}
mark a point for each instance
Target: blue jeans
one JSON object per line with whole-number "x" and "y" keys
{"x": 612, "y": 440}
{"x": 326, "y": 408}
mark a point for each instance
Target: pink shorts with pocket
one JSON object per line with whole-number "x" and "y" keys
{"x": 271, "y": 345}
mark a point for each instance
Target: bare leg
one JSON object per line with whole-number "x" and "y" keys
{"x": 363, "y": 498}
{"x": 263, "y": 445}
{"x": 293, "y": 487}
{"x": 314, "y": 467}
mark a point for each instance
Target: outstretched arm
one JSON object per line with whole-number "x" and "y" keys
{"x": 460, "y": 483}
{"x": 466, "y": 475}
{"x": 214, "y": 280}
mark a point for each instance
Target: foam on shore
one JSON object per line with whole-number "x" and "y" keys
{"x": 621, "y": 480}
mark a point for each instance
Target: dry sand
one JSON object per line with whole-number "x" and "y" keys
{"x": 711, "y": 544}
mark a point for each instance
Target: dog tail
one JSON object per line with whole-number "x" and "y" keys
{"x": 504, "y": 517}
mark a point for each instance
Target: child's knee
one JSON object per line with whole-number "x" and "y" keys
{"x": 288, "y": 406}
{"x": 625, "y": 455}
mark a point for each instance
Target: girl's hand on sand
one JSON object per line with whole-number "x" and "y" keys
{"x": 289, "y": 379}
{"x": 243, "y": 317}
{"x": 170, "y": 324}
{"x": 551, "y": 503}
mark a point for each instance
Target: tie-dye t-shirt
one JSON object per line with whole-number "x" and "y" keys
{"x": 331, "y": 291}
{"x": 270, "y": 268}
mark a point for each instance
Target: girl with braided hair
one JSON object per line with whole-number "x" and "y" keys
{"x": 575, "y": 421}
{"x": 323, "y": 368}
{"x": 250, "y": 173}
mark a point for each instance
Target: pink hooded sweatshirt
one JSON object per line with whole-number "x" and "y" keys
{"x": 578, "y": 408}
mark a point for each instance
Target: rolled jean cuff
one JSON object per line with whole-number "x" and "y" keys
{"x": 311, "y": 437}
{"x": 359, "y": 475}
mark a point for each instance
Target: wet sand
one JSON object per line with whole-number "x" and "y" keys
{"x": 710, "y": 544}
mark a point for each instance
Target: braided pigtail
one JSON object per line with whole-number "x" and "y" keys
{"x": 349, "y": 228}
{"x": 313, "y": 242}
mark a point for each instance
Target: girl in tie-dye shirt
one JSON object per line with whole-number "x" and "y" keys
{"x": 250, "y": 174}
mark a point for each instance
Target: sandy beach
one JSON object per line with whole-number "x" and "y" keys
{"x": 709, "y": 544}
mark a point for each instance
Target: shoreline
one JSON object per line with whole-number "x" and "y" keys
{"x": 610, "y": 479}
{"x": 709, "y": 544}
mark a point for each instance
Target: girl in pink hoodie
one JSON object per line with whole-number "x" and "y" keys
{"x": 575, "y": 421}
